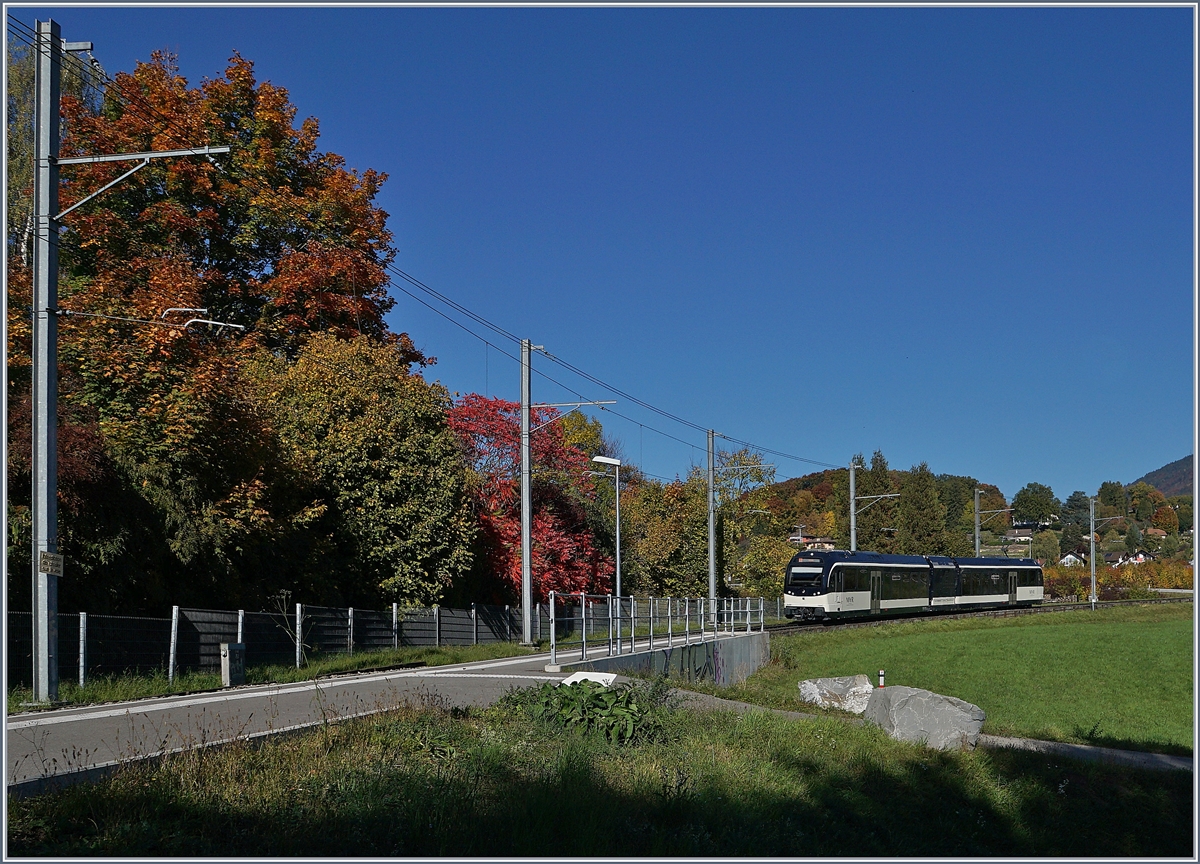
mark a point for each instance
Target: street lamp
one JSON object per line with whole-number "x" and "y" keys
{"x": 616, "y": 463}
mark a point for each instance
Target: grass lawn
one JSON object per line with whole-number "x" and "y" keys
{"x": 502, "y": 782}
{"x": 1118, "y": 677}
{"x": 120, "y": 688}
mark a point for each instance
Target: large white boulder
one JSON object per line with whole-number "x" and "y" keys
{"x": 909, "y": 714}
{"x": 849, "y": 694}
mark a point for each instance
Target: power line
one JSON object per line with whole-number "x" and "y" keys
{"x": 164, "y": 124}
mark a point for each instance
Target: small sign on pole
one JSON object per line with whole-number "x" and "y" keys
{"x": 50, "y": 563}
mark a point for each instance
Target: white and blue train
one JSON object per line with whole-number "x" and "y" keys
{"x": 839, "y": 584}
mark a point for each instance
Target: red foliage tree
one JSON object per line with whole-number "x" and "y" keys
{"x": 565, "y": 557}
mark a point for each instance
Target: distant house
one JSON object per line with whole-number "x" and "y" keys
{"x": 1073, "y": 559}
{"x": 1155, "y": 532}
{"x": 819, "y": 544}
{"x": 1018, "y": 535}
{"x": 1114, "y": 559}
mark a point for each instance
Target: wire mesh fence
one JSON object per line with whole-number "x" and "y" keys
{"x": 191, "y": 639}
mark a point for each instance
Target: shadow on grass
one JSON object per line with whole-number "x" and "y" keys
{"x": 426, "y": 784}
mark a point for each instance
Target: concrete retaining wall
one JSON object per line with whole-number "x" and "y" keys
{"x": 725, "y": 661}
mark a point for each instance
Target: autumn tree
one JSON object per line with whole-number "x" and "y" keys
{"x": 665, "y": 537}
{"x": 564, "y": 555}
{"x": 168, "y": 456}
{"x": 1166, "y": 518}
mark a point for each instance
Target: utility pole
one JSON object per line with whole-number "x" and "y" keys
{"x": 853, "y": 512}
{"x": 47, "y": 563}
{"x": 977, "y": 547}
{"x": 1092, "y": 547}
{"x": 712, "y": 523}
{"x": 526, "y": 503}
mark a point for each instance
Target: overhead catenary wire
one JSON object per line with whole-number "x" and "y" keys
{"x": 149, "y": 114}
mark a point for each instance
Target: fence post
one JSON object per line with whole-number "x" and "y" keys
{"x": 610, "y": 630}
{"x": 174, "y": 644}
{"x": 350, "y": 629}
{"x": 82, "y": 648}
{"x": 437, "y": 627}
{"x": 537, "y": 616}
{"x": 299, "y": 632}
{"x": 474, "y": 626}
{"x": 507, "y": 624}
{"x": 582, "y": 625}
{"x": 395, "y": 627}
{"x": 650, "y": 618}
{"x": 632, "y": 625}
{"x": 670, "y": 632}
{"x": 553, "y": 633}
{"x": 762, "y": 614}
{"x": 241, "y": 627}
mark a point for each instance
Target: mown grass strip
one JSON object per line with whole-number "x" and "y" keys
{"x": 1117, "y": 677}
{"x": 121, "y": 688}
{"x": 500, "y": 782}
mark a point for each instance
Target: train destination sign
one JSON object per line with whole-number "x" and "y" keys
{"x": 50, "y": 563}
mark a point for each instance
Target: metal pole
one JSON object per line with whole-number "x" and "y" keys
{"x": 82, "y": 649}
{"x": 396, "y": 621}
{"x": 474, "y": 626}
{"x": 618, "y": 469}
{"x": 650, "y": 609}
{"x": 350, "y": 630}
{"x": 1092, "y": 544}
{"x": 299, "y": 636}
{"x": 241, "y": 626}
{"x": 526, "y": 500}
{"x": 712, "y": 518}
{"x": 976, "y": 523}
{"x": 437, "y": 627}
{"x": 853, "y": 512}
{"x": 174, "y": 644}
{"x": 632, "y": 625}
{"x": 45, "y": 363}
{"x": 553, "y": 633}
{"x": 670, "y": 634}
{"x": 687, "y": 621}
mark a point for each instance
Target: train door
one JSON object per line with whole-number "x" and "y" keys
{"x": 1012, "y": 586}
{"x": 876, "y": 590}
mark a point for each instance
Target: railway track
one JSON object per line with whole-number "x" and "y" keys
{"x": 798, "y": 627}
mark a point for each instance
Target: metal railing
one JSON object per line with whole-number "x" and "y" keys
{"x": 626, "y": 625}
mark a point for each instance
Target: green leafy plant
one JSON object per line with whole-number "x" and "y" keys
{"x": 622, "y": 714}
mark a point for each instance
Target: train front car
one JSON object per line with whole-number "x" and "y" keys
{"x": 806, "y": 586}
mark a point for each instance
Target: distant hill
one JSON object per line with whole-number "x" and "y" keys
{"x": 1173, "y": 479}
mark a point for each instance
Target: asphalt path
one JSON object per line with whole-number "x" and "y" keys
{"x": 66, "y": 741}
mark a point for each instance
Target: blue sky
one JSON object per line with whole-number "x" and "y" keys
{"x": 961, "y": 236}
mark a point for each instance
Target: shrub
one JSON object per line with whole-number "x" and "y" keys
{"x": 622, "y": 714}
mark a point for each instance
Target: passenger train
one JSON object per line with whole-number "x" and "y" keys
{"x": 839, "y": 584}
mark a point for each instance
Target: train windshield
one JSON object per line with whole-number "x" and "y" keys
{"x": 804, "y": 574}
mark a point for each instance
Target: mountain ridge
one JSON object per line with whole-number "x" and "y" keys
{"x": 1172, "y": 479}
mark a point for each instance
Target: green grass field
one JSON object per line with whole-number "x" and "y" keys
{"x": 120, "y": 688}
{"x": 1118, "y": 677}
{"x": 501, "y": 782}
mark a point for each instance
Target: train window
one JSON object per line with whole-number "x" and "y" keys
{"x": 804, "y": 577}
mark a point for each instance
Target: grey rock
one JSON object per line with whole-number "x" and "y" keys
{"x": 910, "y": 714}
{"x": 849, "y": 694}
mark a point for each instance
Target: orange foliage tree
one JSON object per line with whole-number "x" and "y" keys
{"x": 167, "y": 463}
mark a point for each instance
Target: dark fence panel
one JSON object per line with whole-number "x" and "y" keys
{"x": 201, "y": 632}
{"x": 270, "y": 638}
{"x": 326, "y": 630}
{"x": 119, "y": 643}
{"x": 372, "y": 629}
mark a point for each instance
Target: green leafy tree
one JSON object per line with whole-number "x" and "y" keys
{"x": 1112, "y": 494}
{"x": 1072, "y": 538}
{"x": 1133, "y": 540}
{"x": 1144, "y": 499}
{"x": 1035, "y": 503}
{"x": 1185, "y": 516}
{"x": 1076, "y": 510}
{"x": 374, "y": 438}
{"x": 876, "y": 526}
{"x": 921, "y": 517}
{"x": 1045, "y": 547}
{"x": 761, "y": 567}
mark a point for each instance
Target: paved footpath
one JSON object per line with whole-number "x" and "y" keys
{"x": 70, "y": 740}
